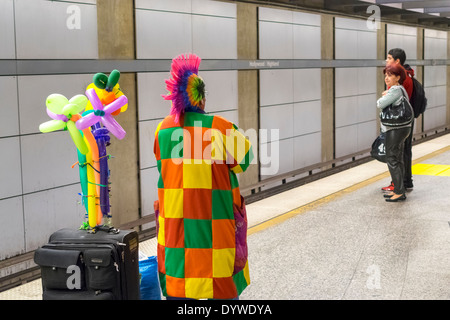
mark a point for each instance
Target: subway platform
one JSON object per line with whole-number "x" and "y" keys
{"x": 338, "y": 239}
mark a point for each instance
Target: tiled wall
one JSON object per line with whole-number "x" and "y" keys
{"x": 38, "y": 187}
{"x": 165, "y": 29}
{"x": 355, "y": 88}
{"x": 435, "y": 79}
{"x": 290, "y": 99}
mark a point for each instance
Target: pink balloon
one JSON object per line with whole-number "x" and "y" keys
{"x": 103, "y": 114}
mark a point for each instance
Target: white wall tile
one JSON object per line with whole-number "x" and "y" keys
{"x": 278, "y": 117}
{"x": 7, "y": 38}
{"x": 214, "y": 37}
{"x": 12, "y": 241}
{"x": 45, "y": 30}
{"x": 276, "y": 86}
{"x": 278, "y": 157}
{"x": 367, "y": 132}
{"x": 346, "y": 82}
{"x": 346, "y": 111}
{"x": 275, "y": 15}
{"x": 164, "y": 5}
{"x": 214, "y": 8}
{"x": 9, "y": 120}
{"x": 275, "y": 40}
{"x": 47, "y": 161}
{"x": 306, "y": 42}
{"x": 346, "y": 140}
{"x": 162, "y": 35}
{"x": 150, "y": 87}
{"x": 346, "y": 44}
{"x": 307, "y": 117}
{"x": 48, "y": 211}
{"x": 306, "y": 18}
{"x": 10, "y": 171}
{"x": 307, "y": 150}
{"x": 307, "y": 84}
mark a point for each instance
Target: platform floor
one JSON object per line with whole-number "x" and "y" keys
{"x": 337, "y": 238}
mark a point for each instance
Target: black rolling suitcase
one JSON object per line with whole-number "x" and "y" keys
{"x": 86, "y": 265}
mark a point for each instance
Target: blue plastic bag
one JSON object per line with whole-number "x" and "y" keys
{"x": 150, "y": 289}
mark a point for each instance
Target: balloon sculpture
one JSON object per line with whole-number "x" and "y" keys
{"x": 89, "y": 131}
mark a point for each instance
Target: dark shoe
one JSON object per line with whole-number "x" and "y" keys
{"x": 401, "y": 198}
{"x": 409, "y": 185}
{"x": 387, "y": 195}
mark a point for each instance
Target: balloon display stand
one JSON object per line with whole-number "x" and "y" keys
{"x": 89, "y": 118}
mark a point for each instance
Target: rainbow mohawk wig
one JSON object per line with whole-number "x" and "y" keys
{"x": 186, "y": 88}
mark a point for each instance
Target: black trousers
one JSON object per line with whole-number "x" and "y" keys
{"x": 407, "y": 157}
{"x": 395, "y": 145}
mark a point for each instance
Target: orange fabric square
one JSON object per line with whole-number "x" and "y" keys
{"x": 220, "y": 176}
{"x": 172, "y": 173}
{"x": 236, "y": 197}
{"x": 175, "y": 287}
{"x": 223, "y": 233}
{"x": 222, "y": 124}
{"x": 161, "y": 253}
{"x": 224, "y": 288}
{"x": 197, "y": 203}
{"x": 174, "y": 232}
{"x": 161, "y": 202}
{"x": 198, "y": 263}
{"x": 197, "y": 143}
{"x": 169, "y": 122}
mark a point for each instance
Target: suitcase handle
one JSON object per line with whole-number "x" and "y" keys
{"x": 105, "y": 229}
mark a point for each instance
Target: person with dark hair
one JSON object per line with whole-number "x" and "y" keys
{"x": 394, "y": 76}
{"x": 398, "y": 56}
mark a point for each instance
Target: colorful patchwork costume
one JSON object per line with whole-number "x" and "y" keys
{"x": 198, "y": 156}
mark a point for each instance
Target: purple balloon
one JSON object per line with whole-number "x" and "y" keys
{"x": 102, "y": 137}
{"x": 103, "y": 114}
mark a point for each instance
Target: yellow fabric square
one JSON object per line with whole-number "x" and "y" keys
{"x": 173, "y": 203}
{"x": 161, "y": 233}
{"x": 197, "y": 175}
{"x": 217, "y": 146}
{"x": 223, "y": 262}
{"x": 237, "y": 145}
{"x": 199, "y": 288}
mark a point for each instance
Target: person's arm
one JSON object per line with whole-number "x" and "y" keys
{"x": 240, "y": 150}
{"x": 393, "y": 94}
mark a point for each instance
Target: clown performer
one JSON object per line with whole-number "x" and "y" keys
{"x": 201, "y": 219}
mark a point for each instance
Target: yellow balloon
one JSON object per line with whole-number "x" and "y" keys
{"x": 92, "y": 191}
{"x": 103, "y": 96}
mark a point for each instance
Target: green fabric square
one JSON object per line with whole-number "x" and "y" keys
{"x": 247, "y": 159}
{"x": 222, "y": 204}
{"x": 198, "y": 233}
{"x": 160, "y": 179}
{"x": 195, "y": 119}
{"x": 174, "y": 262}
{"x": 233, "y": 180}
{"x": 240, "y": 281}
{"x": 171, "y": 143}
